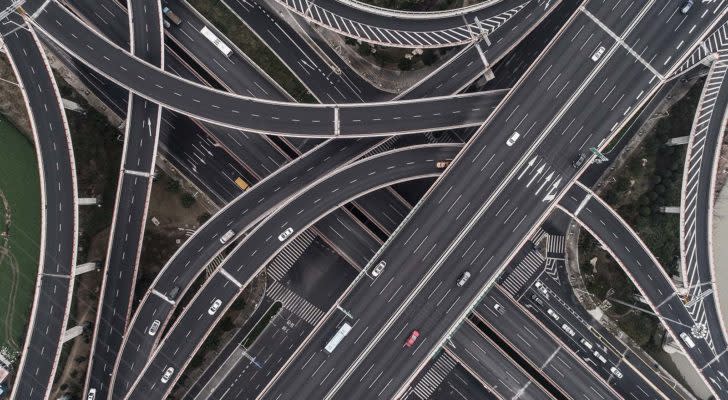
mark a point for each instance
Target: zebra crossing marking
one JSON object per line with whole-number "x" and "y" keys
{"x": 283, "y": 262}
{"x": 294, "y": 303}
{"x": 434, "y": 376}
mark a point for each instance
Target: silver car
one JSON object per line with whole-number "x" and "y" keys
{"x": 379, "y": 268}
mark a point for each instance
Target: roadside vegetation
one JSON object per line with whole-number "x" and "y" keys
{"x": 399, "y": 58}
{"x": 235, "y": 30}
{"x": 650, "y": 178}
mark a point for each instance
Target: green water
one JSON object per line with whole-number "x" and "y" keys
{"x": 20, "y": 187}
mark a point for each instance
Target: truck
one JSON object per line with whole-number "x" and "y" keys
{"x": 216, "y": 41}
{"x": 172, "y": 16}
{"x": 241, "y": 183}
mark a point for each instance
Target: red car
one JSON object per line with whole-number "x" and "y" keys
{"x": 412, "y": 338}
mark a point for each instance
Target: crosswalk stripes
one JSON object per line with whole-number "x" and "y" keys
{"x": 556, "y": 246}
{"x": 434, "y": 376}
{"x": 280, "y": 265}
{"x": 538, "y": 235}
{"x": 523, "y": 272}
{"x": 212, "y": 266}
{"x": 294, "y": 303}
{"x": 714, "y": 43}
{"x": 551, "y": 269}
{"x": 387, "y": 145}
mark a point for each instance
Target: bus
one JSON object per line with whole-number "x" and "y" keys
{"x": 241, "y": 183}
{"x": 340, "y": 335}
{"x": 216, "y": 41}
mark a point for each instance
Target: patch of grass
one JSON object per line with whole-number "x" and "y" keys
{"x": 418, "y": 5}
{"x": 98, "y": 155}
{"x": 248, "y": 42}
{"x": 20, "y": 240}
{"x": 652, "y": 178}
{"x": 605, "y": 277}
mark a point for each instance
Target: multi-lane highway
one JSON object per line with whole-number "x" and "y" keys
{"x": 600, "y": 95}
{"x": 698, "y": 196}
{"x": 372, "y": 24}
{"x": 706, "y": 344}
{"x": 270, "y": 236}
{"x": 132, "y": 199}
{"x": 252, "y": 114}
{"x": 59, "y": 215}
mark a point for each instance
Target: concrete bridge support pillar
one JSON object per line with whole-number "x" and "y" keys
{"x": 72, "y": 333}
{"x": 87, "y": 267}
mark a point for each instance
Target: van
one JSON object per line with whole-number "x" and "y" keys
{"x": 600, "y": 357}
{"x": 227, "y": 236}
{"x": 586, "y": 343}
{"x": 463, "y": 279}
{"x": 685, "y": 8}
{"x": 173, "y": 293}
{"x": 553, "y": 314}
{"x": 568, "y": 329}
{"x": 687, "y": 339}
{"x": 511, "y": 140}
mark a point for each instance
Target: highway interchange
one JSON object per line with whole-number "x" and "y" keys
{"x": 568, "y": 101}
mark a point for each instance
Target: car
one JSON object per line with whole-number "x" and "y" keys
{"x": 214, "y": 307}
{"x": 154, "y": 327}
{"x": 580, "y": 160}
{"x": 542, "y": 288}
{"x": 568, "y": 329}
{"x": 537, "y": 299}
{"x": 600, "y": 357}
{"x": 511, "y": 140}
{"x": 598, "y": 53}
{"x": 412, "y": 338}
{"x": 586, "y": 343}
{"x": 167, "y": 374}
{"x": 499, "y": 308}
{"x": 552, "y": 314}
{"x": 227, "y": 236}
{"x": 616, "y": 372}
{"x": 687, "y": 339}
{"x": 463, "y": 279}
{"x": 283, "y": 236}
{"x": 442, "y": 164}
{"x": 91, "y": 394}
{"x": 686, "y": 6}
{"x": 173, "y": 293}
{"x": 379, "y": 268}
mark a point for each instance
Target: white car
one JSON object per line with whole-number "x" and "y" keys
{"x": 553, "y": 314}
{"x": 154, "y": 327}
{"x": 600, "y": 357}
{"x": 568, "y": 329}
{"x": 687, "y": 339}
{"x": 598, "y": 54}
{"x": 586, "y": 343}
{"x": 511, "y": 140}
{"x": 91, "y": 394}
{"x": 616, "y": 372}
{"x": 542, "y": 288}
{"x": 167, "y": 374}
{"x": 283, "y": 236}
{"x": 214, "y": 307}
{"x": 379, "y": 268}
{"x": 499, "y": 308}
